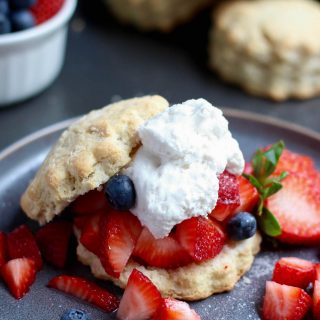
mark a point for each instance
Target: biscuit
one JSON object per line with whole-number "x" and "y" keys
{"x": 192, "y": 282}
{"x": 270, "y": 48}
{"x": 161, "y": 15}
{"x": 87, "y": 154}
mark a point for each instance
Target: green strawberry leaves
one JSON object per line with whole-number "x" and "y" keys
{"x": 264, "y": 164}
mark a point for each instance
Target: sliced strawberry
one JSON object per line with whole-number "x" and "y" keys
{"x": 294, "y": 163}
{"x": 283, "y": 302}
{"x": 316, "y": 300}
{"x": 202, "y": 238}
{"x": 228, "y": 196}
{"x": 3, "y": 249}
{"x": 89, "y": 203}
{"x": 80, "y": 221}
{"x": 53, "y": 240}
{"x": 249, "y": 195}
{"x": 294, "y": 272}
{"x": 22, "y": 244}
{"x": 118, "y": 236}
{"x": 141, "y": 299}
{"x": 19, "y": 274}
{"x": 172, "y": 309}
{"x": 297, "y": 208}
{"x": 43, "y": 10}
{"x": 90, "y": 236}
{"x": 85, "y": 290}
{"x": 162, "y": 253}
{"x": 317, "y": 271}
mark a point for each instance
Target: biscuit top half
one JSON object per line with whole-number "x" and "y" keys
{"x": 277, "y": 28}
{"x": 87, "y": 154}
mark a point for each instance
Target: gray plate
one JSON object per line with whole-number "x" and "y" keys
{"x": 19, "y": 162}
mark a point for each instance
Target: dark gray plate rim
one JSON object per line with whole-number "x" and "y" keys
{"x": 255, "y": 117}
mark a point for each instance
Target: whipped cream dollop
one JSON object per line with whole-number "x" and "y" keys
{"x": 175, "y": 171}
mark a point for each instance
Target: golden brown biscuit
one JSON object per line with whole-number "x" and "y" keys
{"x": 270, "y": 48}
{"x": 87, "y": 154}
{"x": 161, "y": 15}
{"x": 192, "y": 282}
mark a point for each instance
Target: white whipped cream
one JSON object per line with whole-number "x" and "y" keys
{"x": 175, "y": 170}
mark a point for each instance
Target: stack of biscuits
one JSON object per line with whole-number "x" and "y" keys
{"x": 270, "y": 48}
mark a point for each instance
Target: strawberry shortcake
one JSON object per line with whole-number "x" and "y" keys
{"x": 156, "y": 189}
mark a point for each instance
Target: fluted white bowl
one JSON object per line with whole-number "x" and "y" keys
{"x": 30, "y": 60}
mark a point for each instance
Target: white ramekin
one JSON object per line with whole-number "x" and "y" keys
{"x": 30, "y": 60}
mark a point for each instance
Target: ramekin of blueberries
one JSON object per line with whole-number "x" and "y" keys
{"x": 16, "y": 15}
{"x": 32, "y": 45}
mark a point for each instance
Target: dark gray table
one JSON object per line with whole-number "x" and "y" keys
{"x": 106, "y": 61}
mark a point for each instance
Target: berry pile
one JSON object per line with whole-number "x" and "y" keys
{"x": 288, "y": 295}
{"x": 18, "y": 15}
{"x": 115, "y": 235}
{"x": 21, "y": 254}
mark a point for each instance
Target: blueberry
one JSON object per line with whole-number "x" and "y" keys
{"x": 4, "y": 7}
{"x": 5, "y": 25}
{"x": 74, "y": 314}
{"x": 120, "y": 192}
{"x": 22, "y": 4}
{"x": 22, "y": 20}
{"x": 241, "y": 226}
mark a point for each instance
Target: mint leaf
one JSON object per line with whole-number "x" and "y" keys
{"x": 282, "y": 176}
{"x": 272, "y": 189}
{"x": 260, "y": 206}
{"x": 269, "y": 224}
{"x": 272, "y": 157}
{"x": 264, "y": 164}
{"x": 257, "y": 164}
{"x": 254, "y": 181}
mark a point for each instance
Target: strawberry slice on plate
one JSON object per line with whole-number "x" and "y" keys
{"x": 89, "y": 203}
{"x": 317, "y": 271}
{"x": 53, "y": 240}
{"x": 316, "y": 300}
{"x": 202, "y": 238}
{"x": 283, "y": 302}
{"x": 294, "y": 163}
{"x": 119, "y": 233}
{"x": 19, "y": 274}
{"x": 85, "y": 290}
{"x": 90, "y": 234}
{"x": 228, "y": 196}
{"x": 294, "y": 272}
{"x": 141, "y": 298}
{"x": 162, "y": 253}
{"x": 3, "y": 249}
{"x": 22, "y": 244}
{"x": 43, "y": 10}
{"x": 249, "y": 195}
{"x": 297, "y": 208}
{"x": 172, "y": 309}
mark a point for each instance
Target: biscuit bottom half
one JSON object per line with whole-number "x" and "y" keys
{"x": 192, "y": 282}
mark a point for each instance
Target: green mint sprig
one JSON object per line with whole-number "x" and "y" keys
{"x": 264, "y": 164}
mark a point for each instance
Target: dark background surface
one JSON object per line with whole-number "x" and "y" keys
{"x": 106, "y": 61}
